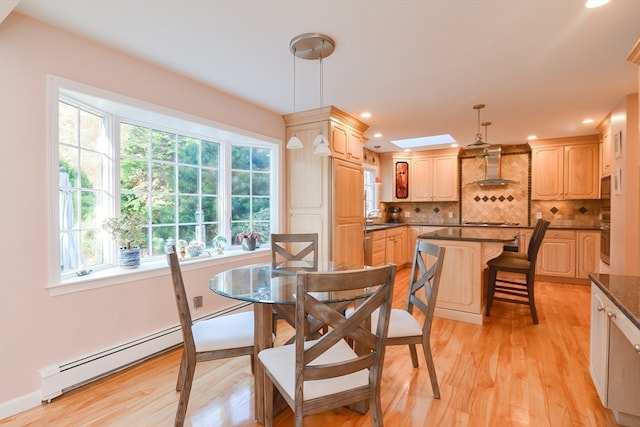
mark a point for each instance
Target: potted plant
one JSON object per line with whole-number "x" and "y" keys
{"x": 128, "y": 230}
{"x": 181, "y": 248}
{"x": 248, "y": 239}
{"x": 195, "y": 248}
{"x": 219, "y": 243}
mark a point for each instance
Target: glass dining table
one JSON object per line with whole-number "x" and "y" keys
{"x": 275, "y": 289}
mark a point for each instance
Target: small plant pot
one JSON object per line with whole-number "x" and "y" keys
{"x": 129, "y": 258}
{"x": 248, "y": 244}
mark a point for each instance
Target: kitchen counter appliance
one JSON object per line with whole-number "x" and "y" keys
{"x": 394, "y": 214}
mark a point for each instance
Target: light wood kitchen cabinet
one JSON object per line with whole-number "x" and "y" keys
{"x": 605, "y": 152}
{"x": 557, "y": 254}
{"x": 346, "y": 143}
{"x": 434, "y": 179}
{"x": 563, "y": 171}
{"x": 378, "y": 248}
{"x": 433, "y": 176}
{"x": 588, "y": 252}
{"x": 396, "y": 248}
{"x": 325, "y": 195}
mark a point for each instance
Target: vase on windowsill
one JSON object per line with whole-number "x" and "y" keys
{"x": 248, "y": 240}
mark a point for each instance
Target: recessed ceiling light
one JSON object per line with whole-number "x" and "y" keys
{"x": 454, "y": 145}
{"x": 532, "y": 138}
{"x": 595, "y": 3}
{"x": 377, "y": 135}
{"x": 425, "y": 141}
{"x": 587, "y": 121}
{"x": 365, "y": 115}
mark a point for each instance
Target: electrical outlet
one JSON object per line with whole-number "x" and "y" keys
{"x": 538, "y": 215}
{"x": 450, "y": 215}
{"x": 197, "y": 302}
{"x": 407, "y": 214}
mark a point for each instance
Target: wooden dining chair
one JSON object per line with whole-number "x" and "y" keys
{"x": 313, "y": 376}
{"x": 217, "y": 338}
{"x": 516, "y": 290}
{"x": 404, "y": 328}
{"x": 294, "y": 247}
{"x": 288, "y": 248}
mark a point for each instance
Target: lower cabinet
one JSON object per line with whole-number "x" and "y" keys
{"x": 396, "y": 247}
{"x": 567, "y": 253}
{"x": 614, "y": 358}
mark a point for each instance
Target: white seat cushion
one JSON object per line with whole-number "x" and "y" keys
{"x": 231, "y": 331}
{"x": 401, "y": 323}
{"x": 281, "y": 362}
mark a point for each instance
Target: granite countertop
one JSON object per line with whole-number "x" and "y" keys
{"x": 472, "y": 234}
{"x": 623, "y": 291}
{"x": 383, "y": 226}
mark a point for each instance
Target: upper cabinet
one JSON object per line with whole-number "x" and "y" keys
{"x": 565, "y": 169}
{"x": 421, "y": 177}
{"x": 605, "y": 157}
{"x": 346, "y": 143}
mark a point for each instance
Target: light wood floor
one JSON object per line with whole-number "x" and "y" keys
{"x": 507, "y": 372}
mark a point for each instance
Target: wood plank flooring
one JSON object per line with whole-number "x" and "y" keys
{"x": 507, "y": 372}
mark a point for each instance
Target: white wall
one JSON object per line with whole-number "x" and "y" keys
{"x": 37, "y": 329}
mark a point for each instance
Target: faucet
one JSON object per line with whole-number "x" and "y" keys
{"x": 374, "y": 213}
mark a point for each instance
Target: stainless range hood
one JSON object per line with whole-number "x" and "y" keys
{"x": 492, "y": 178}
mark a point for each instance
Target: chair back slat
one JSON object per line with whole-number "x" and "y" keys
{"x": 294, "y": 247}
{"x": 354, "y": 327}
{"x": 425, "y": 277}
{"x": 536, "y": 240}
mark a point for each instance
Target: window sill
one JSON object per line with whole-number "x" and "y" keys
{"x": 147, "y": 270}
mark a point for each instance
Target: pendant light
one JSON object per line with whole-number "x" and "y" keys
{"x": 321, "y": 143}
{"x": 312, "y": 46}
{"x": 294, "y": 142}
{"x": 479, "y": 142}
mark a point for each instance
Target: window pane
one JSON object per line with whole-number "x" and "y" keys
{"x": 163, "y": 145}
{"x": 133, "y": 175}
{"x": 210, "y": 208}
{"x": 90, "y": 131}
{"x": 210, "y": 153}
{"x": 240, "y": 183}
{"x": 188, "y": 150}
{"x": 187, "y": 179}
{"x": 163, "y": 209}
{"x": 261, "y": 184}
{"x": 187, "y": 207}
{"x": 209, "y": 181}
{"x": 134, "y": 141}
{"x": 240, "y": 157}
{"x": 163, "y": 177}
{"x": 240, "y": 208}
{"x": 261, "y": 159}
{"x": 67, "y": 124}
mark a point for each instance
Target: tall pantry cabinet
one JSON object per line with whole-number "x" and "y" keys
{"x": 325, "y": 195}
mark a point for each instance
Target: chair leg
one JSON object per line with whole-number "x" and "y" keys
{"x": 190, "y": 369}
{"x": 532, "y": 300}
{"x": 268, "y": 401}
{"x": 181, "y": 372}
{"x": 375, "y": 407}
{"x": 491, "y": 288}
{"x": 414, "y": 355}
{"x": 428, "y": 356}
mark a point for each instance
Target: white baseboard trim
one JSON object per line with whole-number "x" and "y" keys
{"x": 62, "y": 377}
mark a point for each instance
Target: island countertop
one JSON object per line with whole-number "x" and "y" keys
{"x": 623, "y": 291}
{"x": 468, "y": 234}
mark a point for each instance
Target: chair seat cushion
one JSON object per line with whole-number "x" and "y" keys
{"x": 514, "y": 255}
{"x": 509, "y": 262}
{"x": 230, "y": 331}
{"x": 281, "y": 362}
{"x": 401, "y": 323}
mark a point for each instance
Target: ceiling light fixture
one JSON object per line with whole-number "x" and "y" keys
{"x": 479, "y": 143}
{"x": 313, "y": 46}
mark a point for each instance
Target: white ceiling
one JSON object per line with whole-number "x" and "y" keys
{"x": 540, "y": 66}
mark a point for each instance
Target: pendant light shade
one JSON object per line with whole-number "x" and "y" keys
{"x": 294, "y": 142}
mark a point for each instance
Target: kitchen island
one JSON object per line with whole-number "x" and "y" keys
{"x": 462, "y": 294}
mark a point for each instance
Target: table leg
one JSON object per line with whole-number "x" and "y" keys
{"x": 263, "y": 338}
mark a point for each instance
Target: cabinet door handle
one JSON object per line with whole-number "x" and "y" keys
{"x": 637, "y": 348}
{"x": 600, "y": 308}
{"x": 611, "y": 315}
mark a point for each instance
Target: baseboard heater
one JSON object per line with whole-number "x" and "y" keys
{"x": 63, "y": 377}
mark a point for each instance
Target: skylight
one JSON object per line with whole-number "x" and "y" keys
{"x": 425, "y": 141}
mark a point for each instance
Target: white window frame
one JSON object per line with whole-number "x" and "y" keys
{"x": 144, "y": 112}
